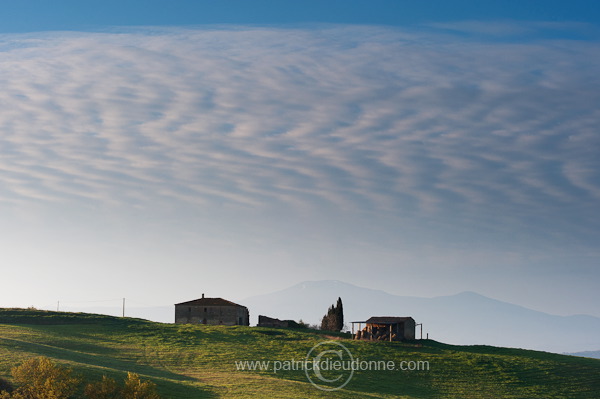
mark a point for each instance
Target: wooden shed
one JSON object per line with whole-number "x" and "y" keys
{"x": 386, "y": 328}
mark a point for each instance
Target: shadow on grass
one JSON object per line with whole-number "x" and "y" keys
{"x": 91, "y": 359}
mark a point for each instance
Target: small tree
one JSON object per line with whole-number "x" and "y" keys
{"x": 334, "y": 319}
{"x": 302, "y": 324}
{"x": 136, "y": 389}
{"x": 105, "y": 389}
{"x": 133, "y": 388}
{"x": 40, "y": 378}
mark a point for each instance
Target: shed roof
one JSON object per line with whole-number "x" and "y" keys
{"x": 209, "y": 302}
{"x": 387, "y": 320}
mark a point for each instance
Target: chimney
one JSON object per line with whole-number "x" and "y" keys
{"x": 203, "y": 296}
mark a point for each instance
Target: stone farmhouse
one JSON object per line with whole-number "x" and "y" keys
{"x": 214, "y": 311}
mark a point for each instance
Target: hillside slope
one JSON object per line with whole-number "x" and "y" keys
{"x": 199, "y": 361}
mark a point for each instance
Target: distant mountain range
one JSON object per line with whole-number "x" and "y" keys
{"x": 465, "y": 319}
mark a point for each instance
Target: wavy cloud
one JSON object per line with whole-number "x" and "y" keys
{"x": 359, "y": 119}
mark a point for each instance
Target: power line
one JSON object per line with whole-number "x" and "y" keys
{"x": 93, "y": 301}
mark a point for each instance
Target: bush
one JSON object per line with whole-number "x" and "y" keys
{"x": 133, "y": 388}
{"x": 40, "y": 378}
{"x": 302, "y": 324}
{"x": 137, "y": 389}
{"x": 105, "y": 389}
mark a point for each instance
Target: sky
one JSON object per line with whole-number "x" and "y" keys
{"x": 159, "y": 150}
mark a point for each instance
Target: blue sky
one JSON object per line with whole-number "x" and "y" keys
{"x": 158, "y": 150}
{"x": 41, "y": 15}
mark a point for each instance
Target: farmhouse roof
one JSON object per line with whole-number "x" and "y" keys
{"x": 387, "y": 320}
{"x": 209, "y": 302}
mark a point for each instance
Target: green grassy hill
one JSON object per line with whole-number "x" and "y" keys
{"x": 188, "y": 361}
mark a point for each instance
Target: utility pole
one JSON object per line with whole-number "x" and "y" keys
{"x": 57, "y": 306}
{"x": 420, "y": 324}
{"x": 123, "y": 307}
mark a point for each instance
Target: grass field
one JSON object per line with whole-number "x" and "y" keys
{"x": 190, "y": 361}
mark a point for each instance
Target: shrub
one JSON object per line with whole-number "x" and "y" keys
{"x": 40, "y": 378}
{"x": 133, "y": 388}
{"x": 105, "y": 389}
{"x": 136, "y": 389}
{"x": 302, "y": 324}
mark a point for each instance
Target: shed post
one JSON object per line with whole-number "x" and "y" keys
{"x": 420, "y": 324}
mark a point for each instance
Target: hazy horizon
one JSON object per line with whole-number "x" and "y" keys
{"x": 480, "y": 317}
{"x": 114, "y": 306}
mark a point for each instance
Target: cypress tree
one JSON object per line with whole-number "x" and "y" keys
{"x": 339, "y": 310}
{"x": 331, "y": 317}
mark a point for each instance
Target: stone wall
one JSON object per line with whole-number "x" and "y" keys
{"x": 264, "y": 321}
